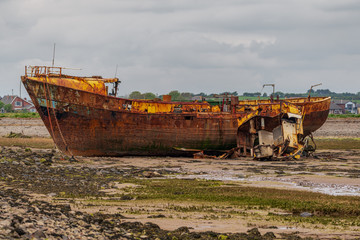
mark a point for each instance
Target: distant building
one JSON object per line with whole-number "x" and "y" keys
{"x": 18, "y": 103}
{"x": 344, "y": 106}
{"x": 351, "y": 107}
{"x": 335, "y": 109}
{"x": 198, "y": 98}
{"x": 340, "y": 103}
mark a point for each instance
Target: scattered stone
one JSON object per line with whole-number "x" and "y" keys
{"x": 39, "y": 234}
{"x": 149, "y": 174}
{"x": 254, "y": 233}
{"x": 52, "y": 194}
{"x": 305, "y": 214}
{"x": 157, "y": 216}
{"x": 269, "y": 236}
{"x": 126, "y": 197}
{"x": 23, "y": 217}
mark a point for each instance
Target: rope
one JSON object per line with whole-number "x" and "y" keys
{"x": 48, "y": 111}
{"x": 56, "y": 121}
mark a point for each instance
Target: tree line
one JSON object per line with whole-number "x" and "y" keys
{"x": 317, "y": 93}
{"x": 176, "y": 95}
{"x": 183, "y": 96}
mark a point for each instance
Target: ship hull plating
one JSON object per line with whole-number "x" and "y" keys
{"x": 91, "y": 124}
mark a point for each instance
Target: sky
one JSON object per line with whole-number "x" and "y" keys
{"x": 193, "y": 46}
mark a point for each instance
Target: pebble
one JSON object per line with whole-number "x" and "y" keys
{"x": 23, "y": 217}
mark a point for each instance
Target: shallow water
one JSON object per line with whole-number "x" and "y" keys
{"x": 278, "y": 182}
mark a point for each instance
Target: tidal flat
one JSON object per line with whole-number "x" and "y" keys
{"x": 48, "y": 195}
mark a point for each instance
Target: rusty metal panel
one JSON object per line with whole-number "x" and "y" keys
{"x": 84, "y": 120}
{"x": 265, "y": 137}
{"x": 278, "y": 136}
{"x": 289, "y": 132}
{"x": 263, "y": 151}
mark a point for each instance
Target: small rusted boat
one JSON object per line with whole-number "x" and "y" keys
{"x": 84, "y": 119}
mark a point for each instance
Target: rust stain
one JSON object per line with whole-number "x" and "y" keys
{"x": 84, "y": 119}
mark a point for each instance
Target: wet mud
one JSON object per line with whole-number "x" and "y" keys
{"x": 31, "y": 180}
{"x": 46, "y": 195}
{"x": 41, "y": 191}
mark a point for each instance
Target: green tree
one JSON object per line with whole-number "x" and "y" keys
{"x": 1, "y": 104}
{"x": 175, "y": 95}
{"x": 186, "y": 95}
{"x": 149, "y": 95}
{"x": 136, "y": 95}
{"x": 281, "y": 94}
{"x": 8, "y": 108}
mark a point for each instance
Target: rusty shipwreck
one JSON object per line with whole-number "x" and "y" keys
{"x": 85, "y": 120}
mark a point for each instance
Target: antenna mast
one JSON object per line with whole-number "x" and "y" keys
{"x": 116, "y": 70}
{"x": 53, "y": 60}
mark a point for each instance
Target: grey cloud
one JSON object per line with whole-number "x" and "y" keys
{"x": 197, "y": 46}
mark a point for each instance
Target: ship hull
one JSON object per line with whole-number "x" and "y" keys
{"x": 88, "y": 124}
{"x": 90, "y": 129}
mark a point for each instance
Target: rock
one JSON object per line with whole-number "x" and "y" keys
{"x": 151, "y": 225}
{"x": 5, "y": 223}
{"x": 38, "y": 235}
{"x": 269, "y": 236}
{"x": 126, "y": 197}
{"x": 254, "y": 233}
{"x": 305, "y": 214}
{"x": 40, "y": 223}
{"x": 183, "y": 230}
{"x": 64, "y": 237}
{"x": 81, "y": 223}
{"x": 20, "y": 231}
{"x": 157, "y": 216}
{"x": 52, "y": 194}
{"x": 150, "y": 174}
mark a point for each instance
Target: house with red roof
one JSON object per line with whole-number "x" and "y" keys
{"x": 18, "y": 103}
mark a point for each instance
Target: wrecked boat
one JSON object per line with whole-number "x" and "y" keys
{"x": 85, "y": 119}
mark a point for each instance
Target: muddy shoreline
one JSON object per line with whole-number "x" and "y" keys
{"x": 48, "y": 195}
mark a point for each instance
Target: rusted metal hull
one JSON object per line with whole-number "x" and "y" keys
{"x": 90, "y": 130}
{"x": 93, "y": 124}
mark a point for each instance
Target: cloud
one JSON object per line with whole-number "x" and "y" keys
{"x": 196, "y": 46}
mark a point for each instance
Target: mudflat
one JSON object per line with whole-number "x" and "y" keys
{"x": 47, "y": 194}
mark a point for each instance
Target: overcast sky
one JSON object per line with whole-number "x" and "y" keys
{"x": 194, "y": 46}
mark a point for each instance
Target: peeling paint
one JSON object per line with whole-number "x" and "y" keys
{"x": 84, "y": 119}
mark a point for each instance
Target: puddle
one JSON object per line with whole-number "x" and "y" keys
{"x": 330, "y": 189}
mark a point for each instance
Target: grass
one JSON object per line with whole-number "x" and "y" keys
{"x": 338, "y": 143}
{"x": 344, "y": 115}
{"x": 216, "y": 192}
{"x": 217, "y": 199}
{"x": 241, "y": 98}
{"x": 44, "y": 143}
{"x": 20, "y": 115}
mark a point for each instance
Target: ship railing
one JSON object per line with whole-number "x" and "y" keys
{"x": 36, "y": 71}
